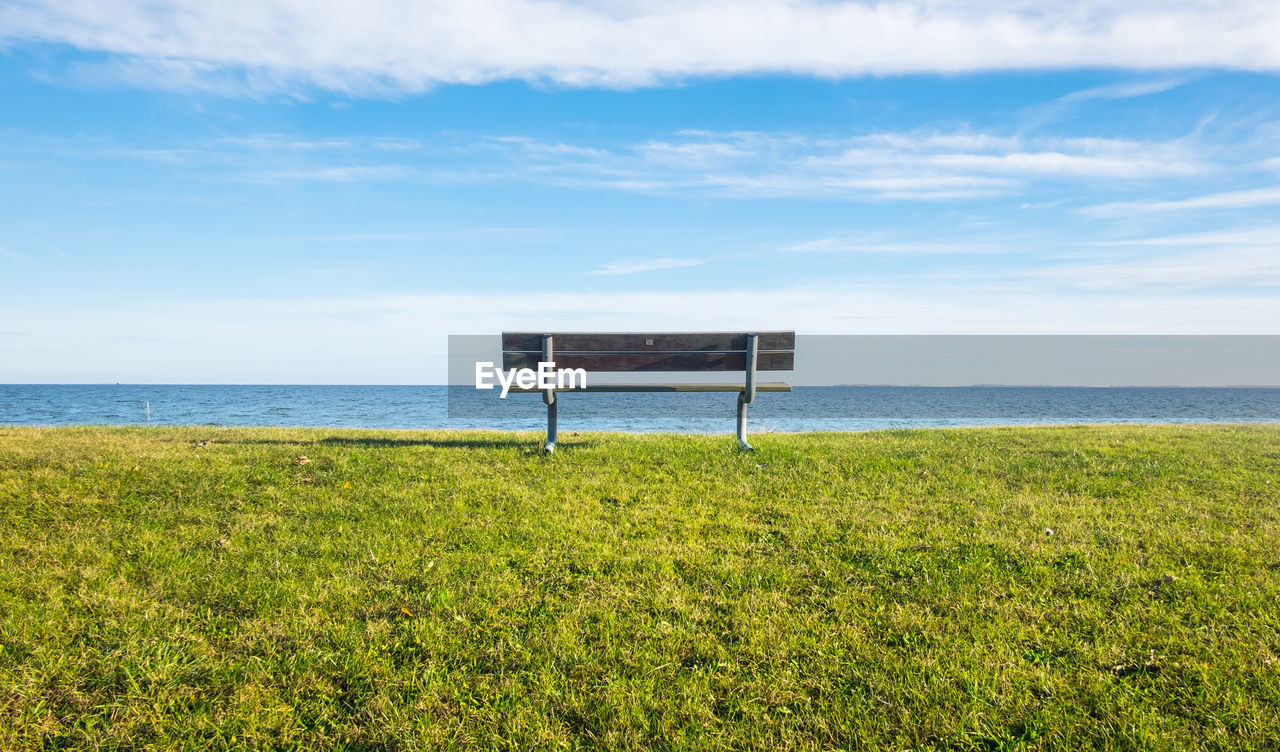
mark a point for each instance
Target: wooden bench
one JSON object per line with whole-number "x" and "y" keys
{"x": 748, "y": 352}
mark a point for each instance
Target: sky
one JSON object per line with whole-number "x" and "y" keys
{"x": 281, "y": 191}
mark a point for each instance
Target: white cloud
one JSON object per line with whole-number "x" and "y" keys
{"x": 1240, "y": 258}
{"x": 1228, "y": 200}
{"x": 919, "y": 187}
{"x": 985, "y": 154}
{"x": 547, "y": 149}
{"x": 351, "y": 237}
{"x": 881, "y": 243}
{"x": 380, "y": 47}
{"x": 1059, "y": 164}
{"x": 1037, "y": 205}
{"x": 348, "y": 174}
{"x": 1264, "y": 236}
{"x": 1242, "y": 267}
{"x": 53, "y": 249}
{"x": 694, "y": 153}
{"x": 281, "y": 142}
{"x": 646, "y": 266}
{"x": 913, "y": 165}
{"x": 908, "y": 165}
{"x": 1124, "y": 90}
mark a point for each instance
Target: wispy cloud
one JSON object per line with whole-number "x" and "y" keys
{"x": 646, "y": 266}
{"x": 53, "y": 248}
{"x": 1246, "y": 199}
{"x": 401, "y": 237}
{"x": 547, "y": 149}
{"x": 1247, "y": 257}
{"x": 1263, "y": 236}
{"x": 1125, "y": 90}
{"x": 346, "y": 174}
{"x": 6, "y": 253}
{"x": 283, "y": 142}
{"x": 173, "y": 156}
{"x": 1036, "y": 205}
{"x": 882, "y": 243}
{"x": 352, "y": 237}
{"x": 1235, "y": 267}
{"x": 278, "y": 142}
{"x": 906, "y": 165}
{"x": 1040, "y": 115}
{"x": 385, "y": 47}
{"x": 894, "y": 165}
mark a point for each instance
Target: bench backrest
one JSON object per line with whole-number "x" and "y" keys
{"x": 634, "y": 351}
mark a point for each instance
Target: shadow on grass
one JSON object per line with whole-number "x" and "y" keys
{"x": 267, "y": 442}
{"x": 533, "y": 446}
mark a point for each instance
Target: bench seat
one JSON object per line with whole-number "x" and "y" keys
{"x": 765, "y": 386}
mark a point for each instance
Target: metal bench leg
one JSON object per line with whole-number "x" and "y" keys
{"x": 551, "y": 428}
{"x": 742, "y": 424}
{"x": 549, "y": 397}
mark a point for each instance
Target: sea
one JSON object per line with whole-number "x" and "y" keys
{"x": 834, "y": 408}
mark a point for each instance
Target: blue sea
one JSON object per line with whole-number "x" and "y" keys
{"x": 840, "y": 408}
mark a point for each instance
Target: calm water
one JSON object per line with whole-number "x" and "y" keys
{"x": 805, "y": 409}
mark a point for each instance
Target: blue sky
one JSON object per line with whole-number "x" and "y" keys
{"x": 284, "y": 193}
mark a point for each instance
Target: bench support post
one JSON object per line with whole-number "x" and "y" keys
{"x": 742, "y": 423}
{"x": 550, "y": 446}
{"x": 549, "y": 397}
{"x": 748, "y": 393}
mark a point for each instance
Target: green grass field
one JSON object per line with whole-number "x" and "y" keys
{"x": 1064, "y": 588}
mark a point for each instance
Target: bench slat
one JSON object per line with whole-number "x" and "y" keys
{"x": 769, "y": 386}
{"x": 640, "y": 342}
{"x": 654, "y": 361}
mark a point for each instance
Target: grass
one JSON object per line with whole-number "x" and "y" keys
{"x": 1044, "y": 588}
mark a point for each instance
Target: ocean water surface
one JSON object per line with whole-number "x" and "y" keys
{"x": 841, "y": 408}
